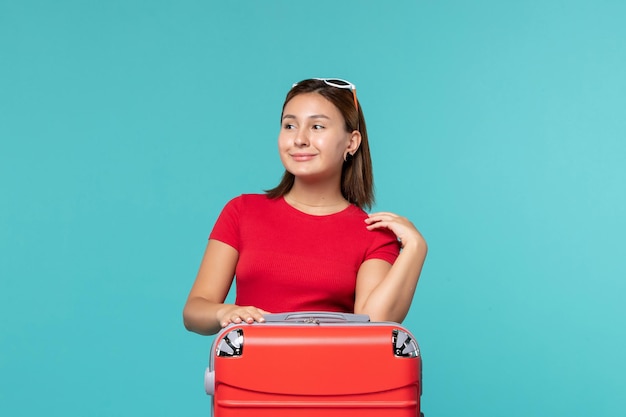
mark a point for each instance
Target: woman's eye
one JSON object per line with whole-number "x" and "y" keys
{"x": 318, "y": 127}
{"x": 288, "y": 126}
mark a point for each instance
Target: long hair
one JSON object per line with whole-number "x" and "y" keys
{"x": 357, "y": 179}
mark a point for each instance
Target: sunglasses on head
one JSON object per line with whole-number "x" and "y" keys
{"x": 339, "y": 83}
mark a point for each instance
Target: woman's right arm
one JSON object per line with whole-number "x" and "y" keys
{"x": 205, "y": 312}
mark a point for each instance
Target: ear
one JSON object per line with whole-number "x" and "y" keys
{"x": 354, "y": 142}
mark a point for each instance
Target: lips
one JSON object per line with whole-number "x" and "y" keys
{"x": 302, "y": 157}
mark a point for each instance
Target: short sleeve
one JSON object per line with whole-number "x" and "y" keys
{"x": 384, "y": 246}
{"x": 226, "y": 228}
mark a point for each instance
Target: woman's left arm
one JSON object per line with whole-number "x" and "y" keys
{"x": 384, "y": 291}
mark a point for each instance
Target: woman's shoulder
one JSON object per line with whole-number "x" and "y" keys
{"x": 254, "y": 198}
{"x": 355, "y": 212}
{"x": 249, "y": 200}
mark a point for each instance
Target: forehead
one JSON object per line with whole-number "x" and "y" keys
{"x": 311, "y": 103}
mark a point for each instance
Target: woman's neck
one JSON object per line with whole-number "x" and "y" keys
{"x": 316, "y": 201}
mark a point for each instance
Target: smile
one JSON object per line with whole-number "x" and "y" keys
{"x": 301, "y": 157}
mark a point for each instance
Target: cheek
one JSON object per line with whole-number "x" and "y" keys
{"x": 283, "y": 147}
{"x": 331, "y": 145}
{"x": 283, "y": 143}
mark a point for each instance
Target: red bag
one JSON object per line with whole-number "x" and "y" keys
{"x": 315, "y": 364}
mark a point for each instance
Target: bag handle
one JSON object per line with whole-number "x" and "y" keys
{"x": 316, "y": 317}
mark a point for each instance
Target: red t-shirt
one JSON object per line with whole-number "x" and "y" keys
{"x": 293, "y": 261}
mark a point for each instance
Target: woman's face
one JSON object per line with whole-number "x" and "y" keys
{"x": 313, "y": 139}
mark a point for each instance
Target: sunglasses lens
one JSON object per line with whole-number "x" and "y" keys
{"x": 342, "y": 84}
{"x": 338, "y": 82}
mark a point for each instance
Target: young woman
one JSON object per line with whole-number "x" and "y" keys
{"x": 307, "y": 245}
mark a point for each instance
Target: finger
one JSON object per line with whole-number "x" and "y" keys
{"x": 375, "y": 225}
{"x": 379, "y": 213}
{"x": 377, "y": 219}
{"x": 262, "y": 314}
{"x": 245, "y": 317}
{"x": 251, "y": 315}
{"x": 382, "y": 217}
{"x": 379, "y": 224}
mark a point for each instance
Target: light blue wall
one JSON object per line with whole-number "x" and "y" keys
{"x": 498, "y": 127}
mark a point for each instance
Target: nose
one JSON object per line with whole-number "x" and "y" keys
{"x": 301, "y": 140}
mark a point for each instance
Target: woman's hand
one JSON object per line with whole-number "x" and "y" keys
{"x": 383, "y": 291}
{"x": 404, "y": 230}
{"x": 237, "y": 314}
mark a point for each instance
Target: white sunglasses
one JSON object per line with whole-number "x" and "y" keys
{"x": 339, "y": 83}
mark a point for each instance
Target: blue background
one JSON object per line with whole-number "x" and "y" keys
{"x": 497, "y": 127}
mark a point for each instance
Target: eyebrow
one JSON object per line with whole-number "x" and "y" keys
{"x": 313, "y": 116}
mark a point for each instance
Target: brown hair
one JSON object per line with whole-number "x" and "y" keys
{"x": 357, "y": 179}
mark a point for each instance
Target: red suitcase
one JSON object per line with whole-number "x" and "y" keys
{"x": 315, "y": 364}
